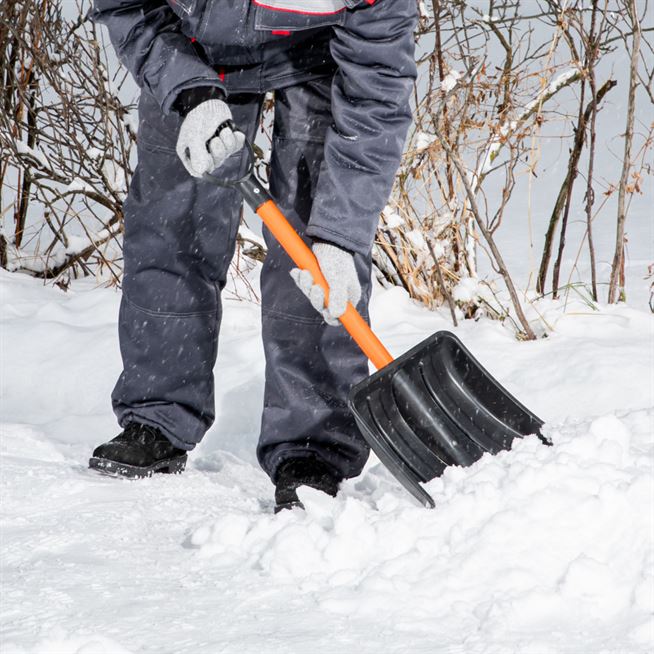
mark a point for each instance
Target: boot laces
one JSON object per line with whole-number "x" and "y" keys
{"x": 141, "y": 433}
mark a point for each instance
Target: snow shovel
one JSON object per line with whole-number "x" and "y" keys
{"x": 434, "y": 406}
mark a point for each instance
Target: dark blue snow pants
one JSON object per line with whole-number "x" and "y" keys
{"x": 179, "y": 240}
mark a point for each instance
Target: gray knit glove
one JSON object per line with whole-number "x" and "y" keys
{"x": 337, "y": 266}
{"x": 198, "y": 146}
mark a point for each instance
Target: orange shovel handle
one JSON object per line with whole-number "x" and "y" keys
{"x": 258, "y": 198}
{"x": 304, "y": 258}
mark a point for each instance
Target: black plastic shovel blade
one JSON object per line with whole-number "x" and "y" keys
{"x": 434, "y": 407}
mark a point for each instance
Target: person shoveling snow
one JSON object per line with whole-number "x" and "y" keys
{"x": 341, "y": 72}
{"x": 334, "y": 129}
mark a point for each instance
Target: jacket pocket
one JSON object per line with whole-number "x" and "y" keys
{"x": 294, "y": 15}
{"x": 223, "y": 22}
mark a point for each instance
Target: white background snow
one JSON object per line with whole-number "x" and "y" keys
{"x": 538, "y": 550}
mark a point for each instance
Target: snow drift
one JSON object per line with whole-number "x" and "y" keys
{"x": 540, "y": 550}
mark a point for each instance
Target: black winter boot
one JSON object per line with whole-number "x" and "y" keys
{"x": 302, "y": 472}
{"x": 139, "y": 451}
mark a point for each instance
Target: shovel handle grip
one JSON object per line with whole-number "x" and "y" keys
{"x": 304, "y": 258}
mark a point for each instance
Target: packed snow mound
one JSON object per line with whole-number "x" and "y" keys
{"x": 531, "y": 538}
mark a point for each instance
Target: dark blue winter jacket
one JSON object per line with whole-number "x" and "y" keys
{"x": 259, "y": 45}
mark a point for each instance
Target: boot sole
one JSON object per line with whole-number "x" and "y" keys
{"x": 115, "y": 469}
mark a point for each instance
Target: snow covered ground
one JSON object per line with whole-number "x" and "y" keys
{"x": 536, "y": 551}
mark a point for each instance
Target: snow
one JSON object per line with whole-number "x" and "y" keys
{"x": 417, "y": 240}
{"x": 450, "y": 80}
{"x": 391, "y": 218}
{"x": 466, "y": 290}
{"x": 35, "y": 153}
{"x": 77, "y": 244}
{"x": 59, "y": 642}
{"x": 115, "y": 176}
{"x": 557, "y": 83}
{"x": 440, "y": 247}
{"x": 537, "y": 550}
{"x": 423, "y": 141}
{"x": 485, "y": 561}
{"x": 78, "y": 185}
